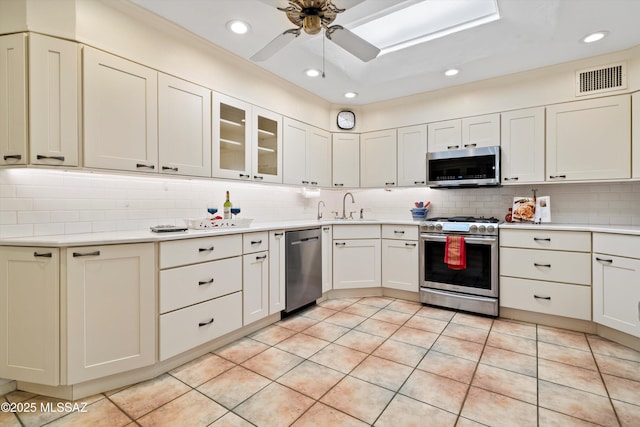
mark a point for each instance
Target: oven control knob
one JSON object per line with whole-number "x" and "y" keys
{"x": 481, "y": 228}
{"x": 491, "y": 228}
{"x": 438, "y": 227}
{"x": 473, "y": 228}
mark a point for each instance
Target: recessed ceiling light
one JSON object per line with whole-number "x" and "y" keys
{"x": 594, "y": 37}
{"x": 350, "y": 95}
{"x": 312, "y": 72}
{"x": 451, "y": 72}
{"x": 238, "y": 27}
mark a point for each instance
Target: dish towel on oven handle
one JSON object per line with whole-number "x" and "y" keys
{"x": 455, "y": 253}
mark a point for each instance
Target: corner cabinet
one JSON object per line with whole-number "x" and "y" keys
{"x": 346, "y": 160}
{"x": 30, "y": 315}
{"x": 111, "y": 310}
{"x": 378, "y": 154}
{"x": 412, "y": 156}
{"x": 184, "y": 133}
{"x": 307, "y": 154}
{"x": 589, "y": 140}
{"x": 400, "y": 260}
{"x": 13, "y": 99}
{"x": 120, "y": 113}
{"x": 356, "y": 256}
{"x": 522, "y": 146}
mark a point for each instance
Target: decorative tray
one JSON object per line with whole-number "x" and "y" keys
{"x": 200, "y": 224}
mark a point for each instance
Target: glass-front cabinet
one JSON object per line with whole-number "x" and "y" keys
{"x": 267, "y": 147}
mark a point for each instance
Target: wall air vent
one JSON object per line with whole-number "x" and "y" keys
{"x": 601, "y": 79}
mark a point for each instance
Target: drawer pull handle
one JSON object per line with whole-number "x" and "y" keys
{"x": 413, "y": 245}
{"x": 258, "y": 177}
{"x": 142, "y": 165}
{"x": 514, "y": 178}
{"x": 608, "y": 261}
{"x": 261, "y": 257}
{"x": 338, "y": 185}
{"x": 398, "y": 231}
{"x": 42, "y": 254}
{"x": 305, "y": 182}
{"x": 170, "y": 168}
{"x": 326, "y": 228}
{"x": 542, "y": 239}
{"x": 256, "y": 242}
{"x": 13, "y": 157}
{"x": 340, "y": 243}
{"x": 278, "y": 234}
{"x": 542, "y": 265}
{"x": 452, "y": 147}
{"x": 389, "y": 183}
{"x": 539, "y": 297}
{"x": 80, "y": 254}
{"x": 314, "y": 182}
{"x": 470, "y": 145}
{"x": 209, "y": 249}
{"x": 557, "y": 176}
{"x": 201, "y": 324}
{"x": 419, "y": 182}
{"x": 205, "y": 282}
{"x": 244, "y": 175}
{"x": 40, "y": 157}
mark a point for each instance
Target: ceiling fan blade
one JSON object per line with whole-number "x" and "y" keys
{"x": 275, "y": 45}
{"x": 352, "y": 43}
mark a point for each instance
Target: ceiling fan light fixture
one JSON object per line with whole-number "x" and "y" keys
{"x": 238, "y": 27}
{"x": 312, "y": 24}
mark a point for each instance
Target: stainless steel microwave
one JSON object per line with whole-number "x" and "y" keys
{"x": 472, "y": 167}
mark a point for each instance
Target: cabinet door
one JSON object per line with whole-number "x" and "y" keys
{"x": 319, "y": 157}
{"x": 446, "y": 135}
{"x": 412, "y": 156}
{"x": 267, "y": 146}
{"x": 29, "y": 315}
{"x": 277, "y": 271}
{"x": 255, "y": 287}
{"x": 53, "y": 101}
{"x": 13, "y": 100}
{"x": 346, "y": 160}
{"x": 522, "y": 146}
{"x": 356, "y": 263}
{"x": 635, "y": 126}
{"x": 481, "y": 131}
{"x": 378, "y": 159}
{"x": 120, "y": 113}
{"x": 184, "y": 121}
{"x": 111, "y": 310}
{"x": 589, "y": 139}
{"x": 231, "y": 138}
{"x": 295, "y": 152}
{"x": 400, "y": 265}
{"x": 327, "y": 258}
{"x": 616, "y": 293}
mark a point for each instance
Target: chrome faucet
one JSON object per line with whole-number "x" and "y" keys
{"x": 320, "y": 213}
{"x": 344, "y": 199}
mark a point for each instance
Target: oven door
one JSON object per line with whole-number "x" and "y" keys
{"x": 479, "y": 278}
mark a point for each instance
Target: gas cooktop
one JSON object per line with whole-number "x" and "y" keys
{"x": 461, "y": 225}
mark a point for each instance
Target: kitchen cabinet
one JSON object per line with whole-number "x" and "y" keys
{"x": 120, "y": 108}
{"x": 400, "y": 257}
{"x": 635, "y": 129}
{"x": 546, "y": 272}
{"x": 522, "y": 146}
{"x": 616, "y": 282}
{"x": 346, "y": 160}
{"x": 378, "y": 153}
{"x": 29, "y": 315}
{"x": 255, "y": 288}
{"x": 356, "y": 256}
{"x": 277, "y": 271}
{"x": 412, "y": 156}
{"x": 468, "y": 132}
{"x": 13, "y": 99}
{"x": 110, "y": 310}
{"x": 327, "y": 258}
{"x": 589, "y": 139}
{"x": 266, "y": 158}
{"x": 231, "y": 138}
{"x": 307, "y": 154}
{"x": 184, "y": 133}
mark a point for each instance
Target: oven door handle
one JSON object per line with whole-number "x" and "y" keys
{"x": 472, "y": 240}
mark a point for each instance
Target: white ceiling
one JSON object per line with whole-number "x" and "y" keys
{"x": 530, "y": 34}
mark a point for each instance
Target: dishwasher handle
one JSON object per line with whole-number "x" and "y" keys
{"x": 304, "y": 240}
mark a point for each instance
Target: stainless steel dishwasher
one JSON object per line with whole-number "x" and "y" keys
{"x": 303, "y": 259}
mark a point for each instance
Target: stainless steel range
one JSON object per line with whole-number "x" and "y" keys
{"x": 473, "y": 288}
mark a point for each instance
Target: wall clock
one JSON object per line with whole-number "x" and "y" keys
{"x": 346, "y": 120}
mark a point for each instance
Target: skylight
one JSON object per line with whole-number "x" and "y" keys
{"x": 426, "y": 20}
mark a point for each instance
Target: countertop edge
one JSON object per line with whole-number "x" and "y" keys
{"x": 594, "y": 228}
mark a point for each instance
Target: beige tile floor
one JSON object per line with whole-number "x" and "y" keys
{"x": 384, "y": 362}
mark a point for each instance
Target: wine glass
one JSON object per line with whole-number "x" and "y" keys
{"x": 235, "y": 211}
{"x": 212, "y": 210}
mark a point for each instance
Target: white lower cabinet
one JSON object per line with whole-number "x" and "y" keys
{"x": 29, "y": 315}
{"x": 356, "y": 256}
{"x": 400, "y": 257}
{"x": 255, "y": 286}
{"x": 111, "y": 310}
{"x": 327, "y": 258}
{"x": 277, "y": 271}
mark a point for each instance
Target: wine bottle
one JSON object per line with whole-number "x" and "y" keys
{"x": 227, "y": 208}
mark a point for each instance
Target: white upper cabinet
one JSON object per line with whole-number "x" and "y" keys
{"x": 346, "y": 159}
{"x": 589, "y": 139}
{"x": 307, "y": 154}
{"x": 267, "y": 146}
{"x": 378, "y": 151}
{"x": 13, "y": 99}
{"x": 53, "y": 101}
{"x": 231, "y": 138}
{"x": 635, "y": 127}
{"x": 120, "y": 113}
{"x": 523, "y": 146}
{"x": 184, "y": 119}
{"x": 412, "y": 156}
{"x": 446, "y": 135}
{"x": 469, "y": 132}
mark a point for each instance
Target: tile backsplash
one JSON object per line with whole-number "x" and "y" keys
{"x": 38, "y": 202}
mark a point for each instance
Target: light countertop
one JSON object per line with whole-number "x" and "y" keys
{"x": 595, "y": 228}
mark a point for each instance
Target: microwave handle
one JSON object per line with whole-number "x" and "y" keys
{"x": 473, "y": 240}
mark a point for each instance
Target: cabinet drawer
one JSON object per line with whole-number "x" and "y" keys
{"x": 555, "y": 266}
{"x": 183, "y": 286}
{"x": 559, "y": 299}
{"x": 191, "y": 251}
{"x": 616, "y": 244}
{"x": 579, "y": 241}
{"x": 184, "y": 329}
{"x": 255, "y": 242}
{"x": 400, "y": 232}
{"x": 368, "y": 231}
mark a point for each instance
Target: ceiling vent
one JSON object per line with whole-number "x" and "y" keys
{"x": 601, "y": 79}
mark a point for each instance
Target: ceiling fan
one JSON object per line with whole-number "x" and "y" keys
{"x": 312, "y": 16}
